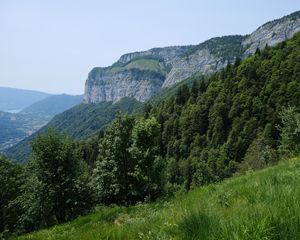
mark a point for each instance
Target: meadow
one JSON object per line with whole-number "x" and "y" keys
{"x": 258, "y": 205}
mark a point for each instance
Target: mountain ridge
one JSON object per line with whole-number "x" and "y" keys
{"x": 18, "y": 99}
{"x": 176, "y": 63}
{"x": 14, "y": 127}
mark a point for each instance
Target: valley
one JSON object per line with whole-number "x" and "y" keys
{"x": 14, "y": 127}
{"x": 181, "y": 142}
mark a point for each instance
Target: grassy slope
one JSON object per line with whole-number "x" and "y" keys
{"x": 259, "y": 205}
{"x": 150, "y": 64}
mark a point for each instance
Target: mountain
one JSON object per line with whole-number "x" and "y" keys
{"x": 12, "y": 99}
{"x": 78, "y": 122}
{"x": 14, "y": 127}
{"x": 52, "y": 105}
{"x": 259, "y": 205}
{"x": 142, "y": 74}
{"x": 242, "y": 118}
{"x": 86, "y": 119}
{"x": 156, "y": 74}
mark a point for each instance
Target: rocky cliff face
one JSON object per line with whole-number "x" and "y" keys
{"x": 142, "y": 74}
{"x": 108, "y": 85}
{"x": 138, "y": 75}
{"x": 272, "y": 33}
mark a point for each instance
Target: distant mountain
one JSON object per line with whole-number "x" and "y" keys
{"x": 78, "y": 122}
{"x": 16, "y": 127}
{"x": 12, "y": 129}
{"x": 12, "y": 99}
{"x": 50, "y": 106}
{"x": 142, "y": 74}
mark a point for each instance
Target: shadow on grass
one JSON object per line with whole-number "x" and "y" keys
{"x": 198, "y": 225}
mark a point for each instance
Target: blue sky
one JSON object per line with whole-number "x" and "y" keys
{"x": 51, "y": 45}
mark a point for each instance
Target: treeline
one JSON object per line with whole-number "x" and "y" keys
{"x": 245, "y": 117}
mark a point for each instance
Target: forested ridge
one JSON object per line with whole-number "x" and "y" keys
{"x": 242, "y": 118}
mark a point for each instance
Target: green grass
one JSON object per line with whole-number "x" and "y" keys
{"x": 259, "y": 205}
{"x": 145, "y": 64}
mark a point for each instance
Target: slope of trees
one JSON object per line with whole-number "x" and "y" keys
{"x": 239, "y": 119}
{"x": 78, "y": 122}
{"x": 11, "y": 181}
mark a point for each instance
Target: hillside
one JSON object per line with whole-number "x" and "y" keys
{"x": 148, "y": 75}
{"x": 259, "y": 205}
{"x": 14, "y": 127}
{"x": 78, "y": 122}
{"x": 141, "y": 75}
{"x": 52, "y": 105}
{"x": 243, "y": 118}
{"x": 245, "y": 97}
{"x": 11, "y": 129}
{"x": 12, "y": 99}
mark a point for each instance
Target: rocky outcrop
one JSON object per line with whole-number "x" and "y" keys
{"x": 167, "y": 54}
{"x": 204, "y": 58}
{"x": 143, "y": 74}
{"x": 109, "y": 85}
{"x": 272, "y": 33}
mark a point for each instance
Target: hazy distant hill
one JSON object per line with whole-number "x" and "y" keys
{"x": 17, "y": 99}
{"x": 141, "y": 75}
{"x": 50, "y": 106}
{"x": 12, "y": 129}
{"x": 78, "y": 122}
{"x": 15, "y": 127}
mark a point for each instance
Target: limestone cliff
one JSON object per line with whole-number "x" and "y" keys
{"x": 272, "y": 33}
{"x": 142, "y": 74}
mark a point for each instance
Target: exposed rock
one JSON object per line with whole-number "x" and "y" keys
{"x": 143, "y": 74}
{"x": 167, "y": 54}
{"x": 201, "y": 60}
{"x": 108, "y": 85}
{"x": 272, "y": 33}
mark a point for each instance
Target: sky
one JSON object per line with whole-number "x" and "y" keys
{"x": 51, "y": 45}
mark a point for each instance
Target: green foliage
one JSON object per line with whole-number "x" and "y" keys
{"x": 13, "y": 129}
{"x": 227, "y": 47}
{"x": 259, "y": 205}
{"x": 145, "y": 153}
{"x": 151, "y": 64}
{"x": 112, "y": 174}
{"x": 56, "y": 189}
{"x": 140, "y": 69}
{"x": 210, "y": 128}
{"x": 126, "y": 169}
{"x": 166, "y": 93}
{"x": 290, "y": 132}
{"x": 17, "y": 126}
{"x": 11, "y": 180}
{"x": 202, "y": 134}
{"x": 79, "y": 122}
{"x": 259, "y": 155}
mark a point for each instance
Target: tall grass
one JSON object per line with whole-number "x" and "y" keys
{"x": 259, "y": 205}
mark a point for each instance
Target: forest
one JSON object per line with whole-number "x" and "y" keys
{"x": 243, "y": 118}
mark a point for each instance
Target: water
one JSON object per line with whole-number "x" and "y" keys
{"x": 13, "y": 110}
